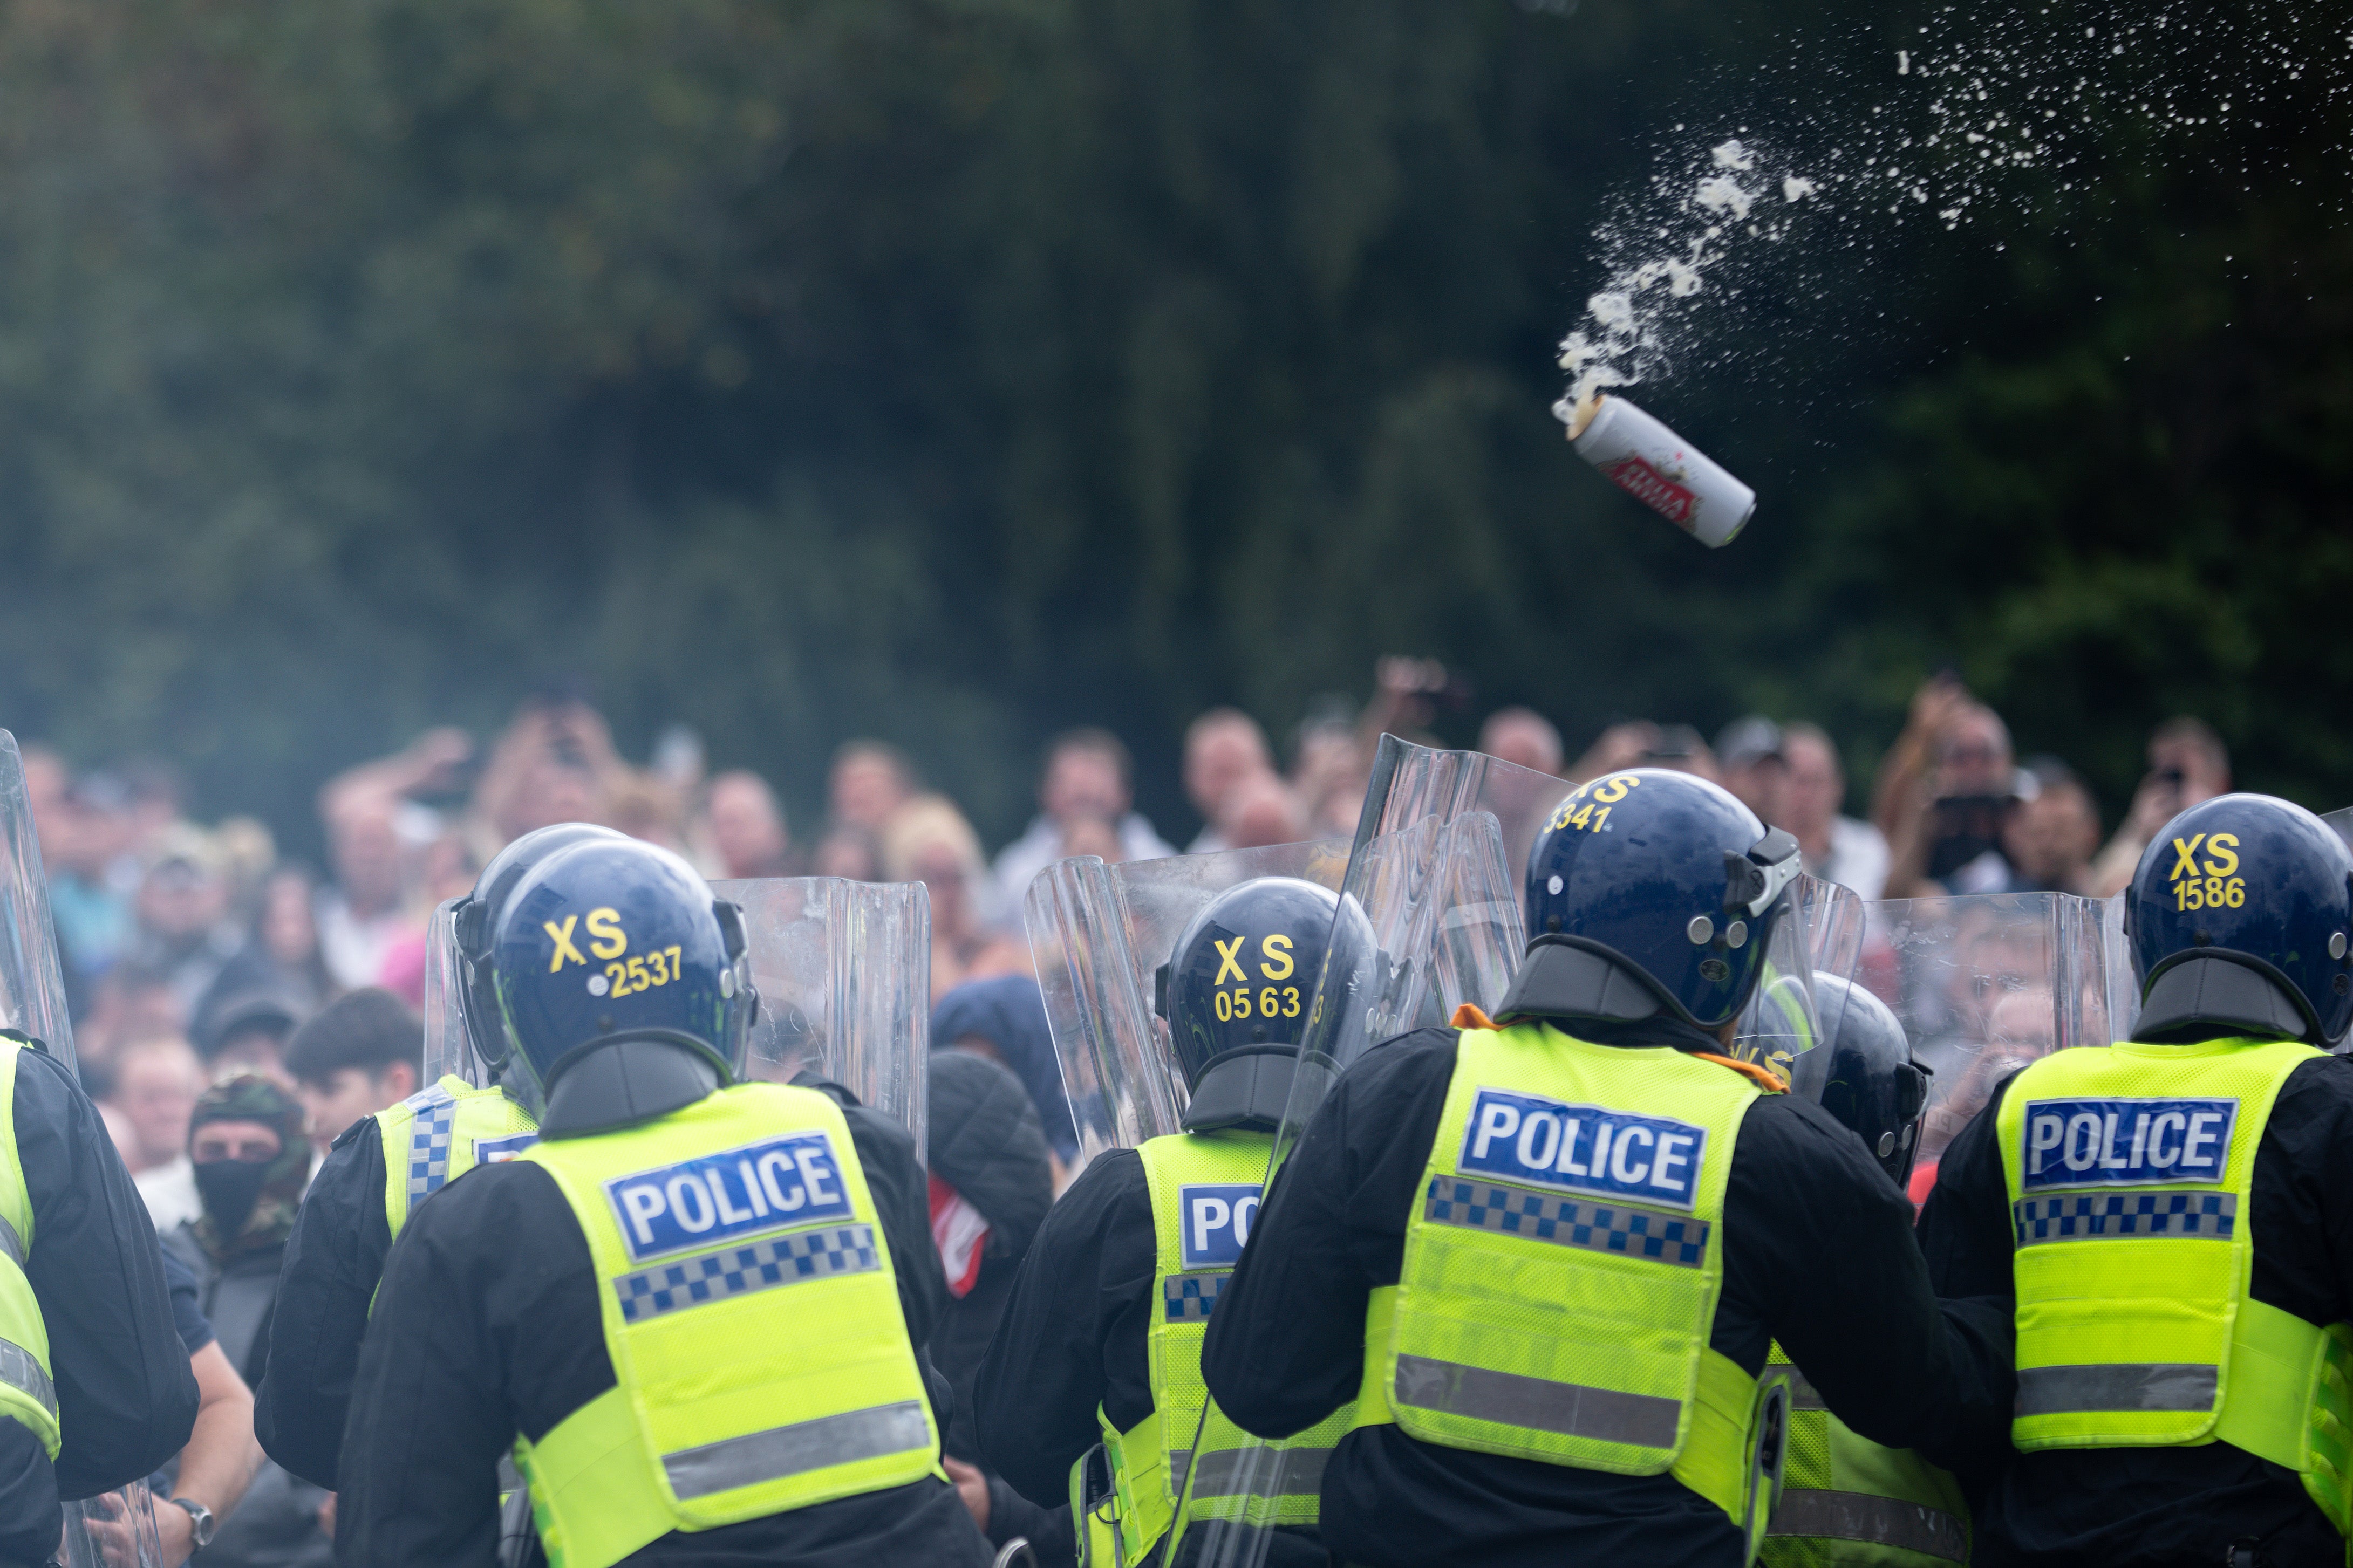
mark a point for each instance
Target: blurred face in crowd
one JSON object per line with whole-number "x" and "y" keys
{"x": 180, "y": 900}
{"x": 1762, "y": 783}
{"x": 366, "y": 847}
{"x": 1974, "y": 758}
{"x": 1812, "y": 788}
{"x": 1219, "y": 756}
{"x": 2051, "y": 839}
{"x": 1523, "y": 740}
{"x": 345, "y": 1095}
{"x": 1261, "y": 811}
{"x": 556, "y": 789}
{"x": 2204, "y": 774}
{"x": 942, "y": 870}
{"x": 748, "y": 828}
{"x": 1082, "y": 781}
{"x": 848, "y": 852}
{"x": 1092, "y": 836}
{"x": 866, "y": 787}
{"x": 289, "y": 933}
{"x": 247, "y": 1142}
{"x": 155, "y": 1088}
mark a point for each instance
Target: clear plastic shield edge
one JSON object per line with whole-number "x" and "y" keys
{"x": 447, "y": 1051}
{"x": 844, "y": 973}
{"x": 1098, "y": 933}
{"x": 32, "y": 986}
{"x": 112, "y": 1530}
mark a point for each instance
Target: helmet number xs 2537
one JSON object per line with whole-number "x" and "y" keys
{"x": 2211, "y": 886}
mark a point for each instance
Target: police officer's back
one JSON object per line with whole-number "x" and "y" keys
{"x": 2173, "y": 1218}
{"x": 380, "y": 1168}
{"x": 1100, "y": 1343}
{"x": 1556, "y": 1250}
{"x": 94, "y": 1382}
{"x": 695, "y": 1300}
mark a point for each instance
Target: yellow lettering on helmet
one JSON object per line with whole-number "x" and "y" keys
{"x": 2222, "y": 850}
{"x": 1227, "y": 963}
{"x": 605, "y": 926}
{"x": 1277, "y": 948}
{"x": 2185, "y": 859}
{"x": 563, "y": 948}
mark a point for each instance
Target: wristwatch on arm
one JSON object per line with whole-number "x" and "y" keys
{"x": 201, "y": 1524}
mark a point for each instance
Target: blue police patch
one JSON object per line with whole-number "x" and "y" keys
{"x": 769, "y": 1185}
{"x": 1584, "y": 1148}
{"x": 498, "y": 1151}
{"x": 2125, "y": 1142}
{"x": 1217, "y": 1219}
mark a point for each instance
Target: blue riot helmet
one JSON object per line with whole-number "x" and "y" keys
{"x": 613, "y": 940}
{"x": 1653, "y": 892}
{"x": 2239, "y": 917}
{"x": 476, "y": 919}
{"x": 1237, "y": 990}
{"x": 1864, "y": 1074}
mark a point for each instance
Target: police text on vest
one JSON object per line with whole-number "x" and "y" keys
{"x": 1585, "y": 1148}
{"x": 1216, "y": 1217}
{"x": 773, "y": 1185}
{"x": 2125, "y": 1142}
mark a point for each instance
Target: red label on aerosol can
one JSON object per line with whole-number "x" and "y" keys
{"x": 1652, "y": 489}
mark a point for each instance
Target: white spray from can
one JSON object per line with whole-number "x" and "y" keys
{"x": 1666, "y": 473}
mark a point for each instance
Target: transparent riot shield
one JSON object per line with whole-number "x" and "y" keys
{"x": 1435, "y": 872}
{"x": 32, "y": 986}
{"x": 844, "y": 973}
{"x": 112, "y": 1530}
{"x": 2341, "y": 820}
{"x": 1986, "y": 983}
{"x": 1099, "y": 935}
{"x": 448, "y": 1053}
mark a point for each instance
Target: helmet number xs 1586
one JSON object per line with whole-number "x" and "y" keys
{"x": 2211, "y": 885}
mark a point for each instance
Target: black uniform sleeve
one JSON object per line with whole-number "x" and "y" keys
{"x": 1819, "y": 1243}
{"x": 126, "y": 1398}
{"x": 333, "y": 1261}
{"x": 187, "y": 1315}
{"x": 886, "y": 1152}
{"x": 1073, "y": 1336}
{"x": 1286, "y": 1345}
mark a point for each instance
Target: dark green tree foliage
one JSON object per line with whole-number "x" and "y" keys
{"x": 956, "y": 370}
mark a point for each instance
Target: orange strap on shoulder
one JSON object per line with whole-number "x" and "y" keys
{"x": 1765, "y": 1077}
{"x": 1469, "y": 1016}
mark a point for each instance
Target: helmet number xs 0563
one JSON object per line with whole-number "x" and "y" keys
{"x": 2213, "y": 885}
{"x": 1267, "y": 1002}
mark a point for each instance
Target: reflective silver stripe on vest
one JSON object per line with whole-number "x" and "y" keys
{"x": 1626, "y": 1229}
{"x": 1297, "y": 1472}
{"x": 20, "y": 1371}
{"x": 793, "y": 1450}
{"x": 1803, "y": 1395}
{"x": 1508, "y": 1399}
{"x": 11, "y": 1243}
{"x": 1824, "y": 1515}
{"x": 2125, "y": 1217}
{"x": 1177, "y": 1460}
{"x": 2116, "y": 1386}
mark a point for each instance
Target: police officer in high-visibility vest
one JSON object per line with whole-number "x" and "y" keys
{"x": 1092, "y": 1388}
{"x": 1847, "y": 1501}
{"x": 1546, "y": 1256}
{"x": 2173, "y": 1218}
{"x": 692, "y": 1308}
{"x": 379, "y": 1169}
{"x": 95, "y": 1386}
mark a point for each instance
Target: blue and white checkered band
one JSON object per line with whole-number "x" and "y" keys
{"x": 2106, "y": 1217}
{"x": 1191, "y": 1298}
{"x": 788, "y": 1259}
{"x": 428, "y": 1140}
{"x": 1622, "y": 1229}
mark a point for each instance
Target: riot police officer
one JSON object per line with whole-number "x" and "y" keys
{"x": 695, "y": 1300}
{"x": 379, "y": 1169}
{"x": 1092, "y": 1387}
{"x": 2173, "y": 1218}
{"x": 1846, "y": 1501}
{"x": 1547, "y": 1256}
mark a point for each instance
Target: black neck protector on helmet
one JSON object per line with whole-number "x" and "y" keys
{"x": 2213, "y": 994}
{"x": 620, "y": 1083}
{"x": 1245, "y": 1088}
{"x": 1599, "y": 997}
